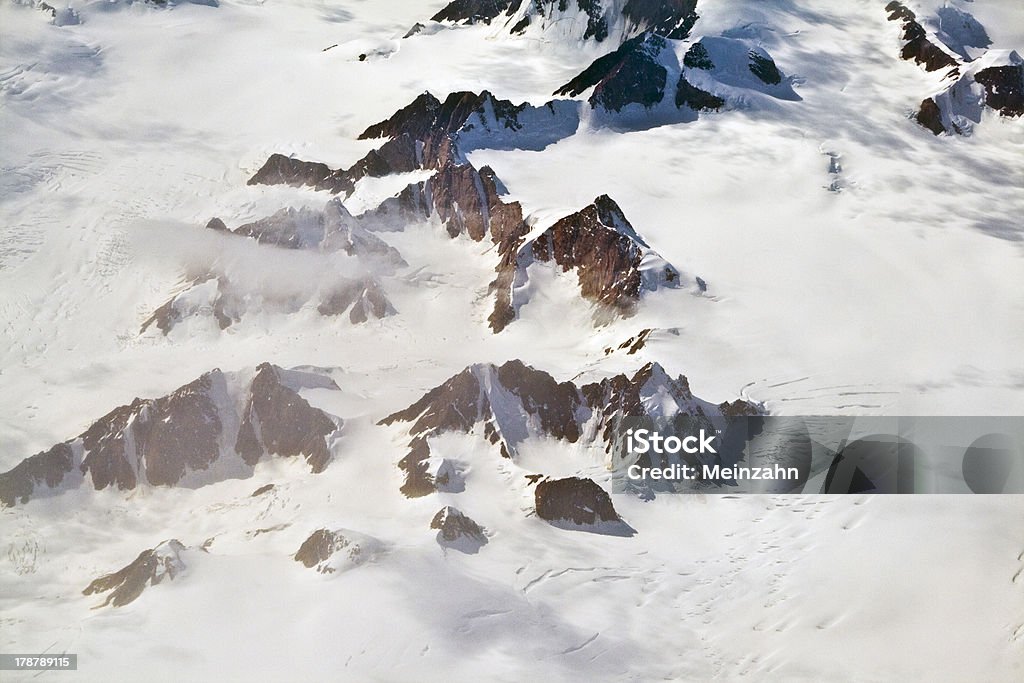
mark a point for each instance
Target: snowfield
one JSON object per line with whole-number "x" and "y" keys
{"x": 855, "y": 264}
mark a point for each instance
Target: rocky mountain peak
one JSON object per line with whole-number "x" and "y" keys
{"x": 515, "y": 402}
{"x": 595, "y": 20}
{"x": 192, "y": 436}
{"x": 150, "y": 568}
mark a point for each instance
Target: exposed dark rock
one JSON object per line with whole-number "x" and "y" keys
{"x": 288, "y": 228}
{"x": 633, "y": 344}
{"x": 930, "y": 116}
{"x": 576, "y": 500}
{"x": 44, "y": 469}
{"x": 600, "y": 246}
{"x": 217, "y": 225}
{"x": 276, "y": 420}
{"x": 631, "y": 74}
{"x": 363, "y": 299}
{"x": 456, "y": 530}
{"x": 695, "y": 98}
{"x": 476, "y": 11}
{"x": 436, "y": 124}
{"x": 266, "y": 488}
{"x": 670, "y": 18}
{"x": 739, "y": 408}
{"x": 917, "y": 46}
{"x": 414, "y": 30}
{"x": 282, "y": 170}
{"x": 329, "y": 551}
{"x": 332, "y": 229}
{"x": 317, "y": 548}
{"x": 764, "y": 68}
{"x": 164, "y": 437}
{"x": 1004, "y": 88}
{"x": 396, "y": 156}
{"x": 179, "y": 432}
{"x": 220, "y": 300}
{"x": 514, "y": 402}
{"x": 163, "y": 441}
{"x": 961, "y": 105}
{"x": 150, "y": 568}
{"x": 697, "y": 57}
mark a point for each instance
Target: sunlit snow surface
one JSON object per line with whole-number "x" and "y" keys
{"x": 901, "y": 293}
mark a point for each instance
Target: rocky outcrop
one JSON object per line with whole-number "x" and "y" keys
{"x": 436, "y": 125}
{"x": 207, "y": 295}
{"x": 329, "y": 551}
{"x": 150, "y": 568}
{"x": 612, "y": 263}
{"x": 192, "y": 436}
{"x": 331, "y": 229}
{"x": 281, "y": 170}
{"x": 457, "y": 531}
{"x": 1004, "y": 88}
{"x": 46, "y": 471}
{"x": 995, "y": 81}
{"x": 575, "y": 500}
{"x": 476, "y": 11}
{"x": 396, "y": 156}
{"x": 930, "y": 116}
{"x": 515, "y": 402}
{"x": 363, "y": 299}
{"x": 217, "y": 303}
{"x": 277, "y": 421}
{"x": 696, "y": 99}
{"x": 632, "y": 74}
{"x": 917, "y": 46}
{"x": 645, "y": 68}
{"x": 578, "y": 19}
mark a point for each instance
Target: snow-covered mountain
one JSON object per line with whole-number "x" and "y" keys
{"x": 319, "y": 322}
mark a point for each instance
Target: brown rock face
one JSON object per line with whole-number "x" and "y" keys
{"x": 328, "y": 551}
{"x": 319, "y": 547}
{"x": 606, "y": 261}
{"x": 456, "y": 530}
{"x": 670, "y": 18}
{"x": 162, "y": 441}
{"x": 468, "y": 399}
{"x": 166, "y": 437}
{"x": 917, "y": 47}
{"x": 599, "y": 245}
{"x": 1004, "y": 88}
{"x": 282, "y": 170}
{"x": 476, "y": 11}
{"x": 695, "y": 98}
{"x": 278, "y": 421}
{"x": 436, "y": 124}
{"x": 514, "y": 402}
{"x": 331, "y": 229}
{"x": 631, "y": 74}
{"x": 180, "y": 432}
{"x": 227, "y": 307}
{"x": 576, "y": 500}
{"x": 149, "y": 569}
{"x": 396, "y": 156}
{"x": 47, "y": 468}
{"x": 363, "y": 299}
{"x": 930, "y": 116}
